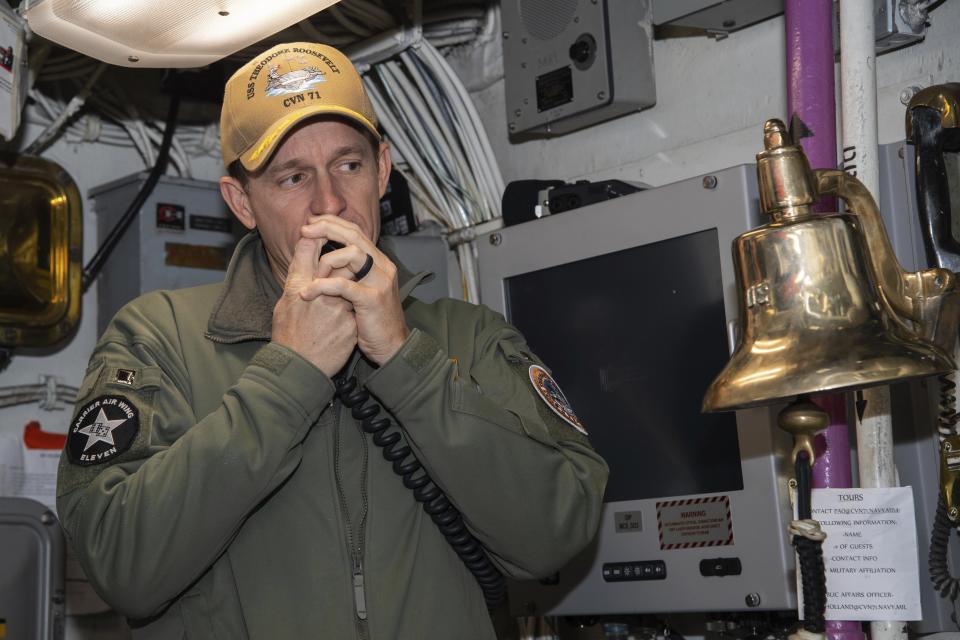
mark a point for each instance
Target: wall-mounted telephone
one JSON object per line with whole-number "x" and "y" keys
{"x": 376, "y": 422}
{"x": 933, "y": 126}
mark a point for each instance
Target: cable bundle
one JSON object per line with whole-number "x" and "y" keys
{"x": 444, "y": 150}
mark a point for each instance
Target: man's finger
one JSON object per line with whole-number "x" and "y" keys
{"x": 349, "y": 290}
{"x": 342, "y": 231}
{"x": 304, "y": 261}
{"x": 350, "y": 258}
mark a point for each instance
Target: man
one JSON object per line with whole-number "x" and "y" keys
{"x": 215, "y": 486}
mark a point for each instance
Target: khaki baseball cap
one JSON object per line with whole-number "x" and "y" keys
{"x": 279, "y": 88}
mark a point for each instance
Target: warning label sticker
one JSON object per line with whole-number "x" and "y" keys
{"x": 697, "y": 522}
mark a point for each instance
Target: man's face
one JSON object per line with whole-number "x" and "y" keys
{"x": 325, "y": 167}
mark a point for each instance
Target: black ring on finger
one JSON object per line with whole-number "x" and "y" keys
{"x": 365, "y": 269}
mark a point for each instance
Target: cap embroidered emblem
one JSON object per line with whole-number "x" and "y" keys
{"x": 292, "y": 81}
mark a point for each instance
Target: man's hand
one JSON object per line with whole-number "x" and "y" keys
{"x": 321, "y": 329}
{"x": 381, "y": 328}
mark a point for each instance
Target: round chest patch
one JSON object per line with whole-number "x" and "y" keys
{"x": 103, "y": 429}
{"x": 549, "y": 392}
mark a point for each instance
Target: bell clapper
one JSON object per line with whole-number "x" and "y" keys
{"x": 803, "y": 420}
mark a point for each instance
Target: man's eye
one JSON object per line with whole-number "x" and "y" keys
{"x": 296, "y": 178}
{"x": 352, "y": 165}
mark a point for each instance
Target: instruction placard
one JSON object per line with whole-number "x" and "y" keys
{"x": 695, "y": 522}
{"x": 870, "y": 554}
{"x": 11, "y": 67}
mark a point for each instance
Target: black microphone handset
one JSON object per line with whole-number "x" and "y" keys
{"x": 328, "y": 246}
{"x": 387, "y": 436}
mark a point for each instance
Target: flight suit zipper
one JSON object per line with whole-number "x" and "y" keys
{"x": 354, "y": 546}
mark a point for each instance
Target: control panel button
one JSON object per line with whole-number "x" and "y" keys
{"x": 720, "y": 567}
{"x": 629, "y": 571}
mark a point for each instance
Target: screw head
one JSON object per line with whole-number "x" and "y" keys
{"x": 517, "y": 112}
{"x": 709, "y": 182}
{"x": 512, "y": 126}
{"x": 907, "y": 94}
{"x": 752, "y": 599}
{"x": 223, "y": 13}
{"x": 47, "y": 518}
{"x": 506, "y": 35}
{"x": 133, "y": 58}
{"x": 953, "y": 513}
{"x": 496, "y": 239}
{"x": 601, "y": 95}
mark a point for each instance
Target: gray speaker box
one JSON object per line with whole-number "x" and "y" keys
{"x": 569, "y": 64}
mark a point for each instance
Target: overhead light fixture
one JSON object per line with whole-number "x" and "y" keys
{"x": 163, "y": 33}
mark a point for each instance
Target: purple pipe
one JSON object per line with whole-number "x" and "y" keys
{"x": 811, "y": 110}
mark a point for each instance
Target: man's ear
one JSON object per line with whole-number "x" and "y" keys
{"x": 384, "y": 164}
{"x": 237, "y": 199}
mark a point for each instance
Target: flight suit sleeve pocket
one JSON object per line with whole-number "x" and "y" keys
{"x": 471, "y": 400}
{"x": 111, "y": 423}
{"x": 501, "y": 391}
{"x": 548, "y": 416}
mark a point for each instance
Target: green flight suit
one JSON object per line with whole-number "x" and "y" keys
{"x": 248, "y": 499}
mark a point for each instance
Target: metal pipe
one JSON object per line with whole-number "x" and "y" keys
{"x": 858, "y": 87}
{"x": 811, "y": 103}
{"x": 858, "y": 92}
{"x": 811, "y": 110}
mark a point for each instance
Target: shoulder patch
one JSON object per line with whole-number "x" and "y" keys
{"x": 103, "y": 428}
{"x": 549, "y": 391}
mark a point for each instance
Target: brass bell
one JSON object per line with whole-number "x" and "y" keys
{"x": 824, "y": 304}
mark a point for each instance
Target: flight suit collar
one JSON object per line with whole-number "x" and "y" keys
{"x": 244, "y": 310}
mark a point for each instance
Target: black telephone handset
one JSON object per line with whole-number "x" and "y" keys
{"x": 328, "y": 246}
{"x": 377, "y": 422}
{"x": 932, "y": 127}
{"x": 415, "y": 477}
{"x": 386, "y": 435}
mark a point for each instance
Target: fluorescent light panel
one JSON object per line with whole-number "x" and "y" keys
{"x": 165, "y": 33}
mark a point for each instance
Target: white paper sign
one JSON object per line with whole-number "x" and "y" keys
{"x": 11, "y": 66}
{"x": 28, "y": 469}
{"x": 870, "y": 554}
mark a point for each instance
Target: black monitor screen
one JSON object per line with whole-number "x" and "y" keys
{"x": 634, "y": 338}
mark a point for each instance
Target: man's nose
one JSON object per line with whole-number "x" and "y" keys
{"x": 327, "y": 198}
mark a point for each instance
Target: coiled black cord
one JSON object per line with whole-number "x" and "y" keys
{"x": 425, "y": 490}
{"x": 943, "y": 581}
{"x": 947, "y": 417}
{"x": 810, "y": 553}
